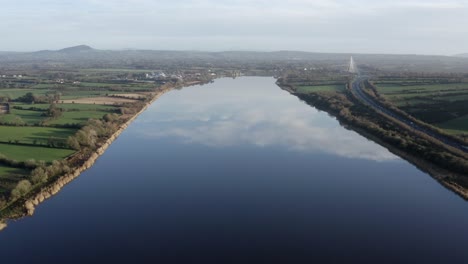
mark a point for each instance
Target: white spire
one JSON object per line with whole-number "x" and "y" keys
{"x": 352, "y": 66}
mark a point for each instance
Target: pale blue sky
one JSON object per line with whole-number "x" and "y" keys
{"x": 398, "y": 26}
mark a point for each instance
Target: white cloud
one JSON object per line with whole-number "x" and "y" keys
{"x": 231, "y": 117}
{"x": 292, "y": 130}
{"x": 313, "y": 25}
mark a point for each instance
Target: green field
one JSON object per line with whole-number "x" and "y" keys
{"x": 320, "y": 88}
{"x": 441, "y": 104}
{"x": 9, "y": 171}
{"x": 15, "y": 93}
{"x": 77, "y": 117}
{"x": 44, "y": 86}
{"x": 93, "y": 84}
{"x": 113, "y": 85}
{"x": 23, "y": 153}
{"x": 31, "y": 134}
{"x": 73, "y": 113}
{"x": 36, "y": 131}
{"x": 457, "y": 125}
{"x": 29, "y": 117}
{"x": 388, "y": 88}
{"x": 430, "y": 91}
{"x": 73, "y": 91}
{"x": 25, "y": 105}
{"x": 87, "y": 107}
{"x": 68, "y": 95}
{"x": 80, "y": 107}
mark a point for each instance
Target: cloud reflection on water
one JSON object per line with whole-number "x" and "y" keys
{"x": 206, "y": 116}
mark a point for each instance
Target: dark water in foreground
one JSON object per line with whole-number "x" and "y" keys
{"x": 239, "y": 171}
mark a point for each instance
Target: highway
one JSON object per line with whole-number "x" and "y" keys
{"x": 356, "y": 89}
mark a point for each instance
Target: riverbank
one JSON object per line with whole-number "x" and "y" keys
{"x": 444, "y": 166}
{"x": 49, "y": 191}
{"x": 26, "y": 205}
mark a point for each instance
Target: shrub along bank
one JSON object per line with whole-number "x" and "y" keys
{"x": 445, "y": 163}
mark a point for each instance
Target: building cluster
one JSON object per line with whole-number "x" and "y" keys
{"x": 11, "y": 76}
{"x": 156, "y": 75}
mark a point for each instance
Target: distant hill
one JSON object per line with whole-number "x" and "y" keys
{"x": 86, "y": 56}
{"x": 69, "y": 50}
{"x": 464, "y": 55}
{"x": 79, "y": 48}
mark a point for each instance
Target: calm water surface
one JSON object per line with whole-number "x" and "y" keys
{"x": 240, "y": 171}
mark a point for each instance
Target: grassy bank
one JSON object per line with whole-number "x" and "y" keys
{"x": 29, "y": 187}
{"x": 444, "y": 164}
{"x": 43, "y": 136}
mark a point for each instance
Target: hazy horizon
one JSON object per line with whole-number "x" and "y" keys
{"x": 336, "y": 26}
{"x": 233, "y": 50}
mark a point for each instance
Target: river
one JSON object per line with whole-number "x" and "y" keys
{"x": 240, "y": 171}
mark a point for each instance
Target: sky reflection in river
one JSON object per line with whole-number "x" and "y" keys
{"x": 229, "y": 116}
{"x": 199, "y": 183}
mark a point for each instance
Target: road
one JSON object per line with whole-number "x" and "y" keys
{"x": 356, "y": 89}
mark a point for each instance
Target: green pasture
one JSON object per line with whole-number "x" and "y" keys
{"x": 457, "y": 125}
{"x": 76, "y": 94}
{"x": 73, "y": 113}
{"x": 46, "y": 86}
{"x": 98, "y": 85}
{"x": 4, "y": 170}
{"x": 124, "y": 86}
{"x": 28, "y": 116}
{"x": 81, "y": 107}
{"x": 453, "y": 98}
{"x": 26, "y": 105}
{"x": 444, "y": 105}
{"x": 15, "y": 93}
{"x": 424, "y": 95}
{"x": 23, "y": 153}
{"x": 77, "y": 117}
{"x": 423, "y": 89}
{"x": 30, "y": 135}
